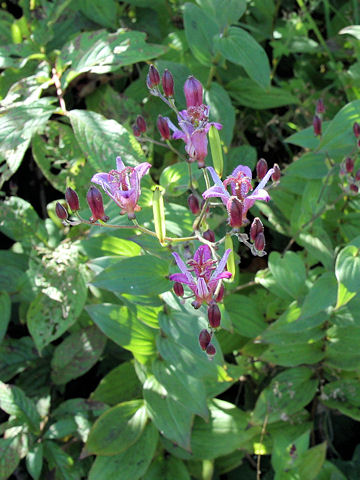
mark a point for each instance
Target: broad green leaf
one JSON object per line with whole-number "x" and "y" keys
{"x": 105, "y": 14}
{"x": 119, "y": 385}
{"x": 34, "y": 461}
{"x": 5, "y": 309}
{"x": 342, "y": 346}
{"x": 330, "y": 472}
{"x": 122, "y": 327}
{"x": 285, "y": 438}
{"x": 123, "y": 276}
{"x": 167, "y": 467}
{"x": 289, "y": 272}
{"x": 200, "y": 29}
{"x": 309, "y": 464}
{"x": 117, "y": 429}
{"x": 347, "y": 268}
{"x": 321, "y": 296}
{"x": 101, "y": 245}
{"x": 77, "y": 354}
{"x": 239, "y": 47}
{"x": 20, "y": 222}
{"x": 306, "y": 138}
{"x": 172, "y": 419}
{"x": 288, "y": 392}
{"x": 102, "y": 140}
{"x": 103, "y": 52}
{"x": 308, "y": 353}
{"x": 17, "y": 125}
{"x": 224, "y": 12}
{"x": 338, "y": 138}
{"x": 310, "y": 165}
{"x": 243, "y": 155}
{"x": 221, "y": 110}
{"x": 132, "y": 463}
{"x": 60, "y": 429}
{"x": 15, "y": 356}
{"x": 175, "y": 178}
{"x": 17, "y": 55}
{"x": 245, "y": 315}
{"x": 9, "y": 457}
{"x": 319, "y": 245}
{"x": 249, "y": 94}
{"x": 60, "y": 460}
{"x": 14, "y": 402}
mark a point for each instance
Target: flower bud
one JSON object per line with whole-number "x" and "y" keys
{"x": 141, "y": 124}
{"x": 349, "y": 164}
{"x": 61, "y": 211}
{"x": 256, "y": 228}
{"x": 168, "y": 83}
{"x": 136, "y": 130}
{"x": 261, "y": 168}
{"x": 178, "y": 289}
{"x": 72, "y": 199}
{"x": 356, "y": 128}
{"x": 193, "y": 92}
{"x": 235, "y": 209}
{"x": 221, "y": 293}
{"x": 320, "y": 107}
{"x": 317, "y": 126}
{"x": 275, "y": 177}
{"x": 153, "y": 78}
{"x": 260, "y": 242}
{"x": 209, "y": 235}
{"x": 354, "y": 188}
{"x": 204, "y": 339}
{"x": 357, "y": 176}
{"x": 210, "y": 350}
{"x": 193, "y": 203}
{"x": 214, "y": 315}
{"x": 163, "y": 127}
{"x": 95, "y": 201}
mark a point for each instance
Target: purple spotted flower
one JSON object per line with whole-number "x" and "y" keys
{"x": 239, "y": 200}
{"x": 207, "y": 276}
{"x": 123, "y": 185}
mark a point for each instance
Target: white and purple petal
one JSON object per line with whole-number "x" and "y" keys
{"x": 183, "y": 268}
{"x": 244, "y": 169}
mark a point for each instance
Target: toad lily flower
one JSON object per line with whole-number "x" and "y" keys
{"x": 207, "y": 275}
{"x": 123, "y": 185}
{"x": 240, "y": 200}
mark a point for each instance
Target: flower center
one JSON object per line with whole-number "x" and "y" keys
{"x": 121, "y": 179}
{"x": 240, "y": 185}
{"x": 197, "y": 115}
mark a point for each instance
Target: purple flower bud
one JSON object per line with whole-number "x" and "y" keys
{"x": 193, "y": 203}
{"x": 256, "y": 228}
{"x": 349, "y": 164}
{"x": 260, "y": 242}
{"x": 317, "y": 126}
{"x": 235, "y": 208}
{"x": 214, "y": 315}
{"x": 320, "y": 107}
{"x": 275, "y": 177}
{"x": 210, "y": 350}
{"x": 163, "y": 127}
{"x": 178, "y": 289}
{"x": 356, "y": 128}
{"x": 72, "y": 199}
{"x": 168, "y": 83}
{"x": 209, "y": 235}
{"x": 220, "y": 295}
{"x": 136, "y": 130}
{"x": 354, "y": 188}
{"x": 204, "y": 339}
{"x": 357, "y": 175}
{"x": 261, "y": 168}
{"x": 96, "y": 205}
{"x": 61, "y": 211}
{"x": 153, "y": 78}
{"x": 141, "y": 124}
{"x": 193, "y": 92}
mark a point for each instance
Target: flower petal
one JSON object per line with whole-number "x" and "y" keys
{"x": 216, "y": 192}
{"x": 202, "y": 290}
{"x": 202, "y": 254}
{"x": 119, "y": 164}
{"x": 183, "y": 268}
{"x": 142, "y": 169}
{"x": 264, "y": 181}
{"x": 242, "y": 168}
{"x": 221, "y": 266}
{"x": 179, "y": 277}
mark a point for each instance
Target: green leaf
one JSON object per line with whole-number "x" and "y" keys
{"x": 15, "y": 356}
{"x": 34, "y": 460}
{"x": 106, "y": 245}
{"x": 309, "y": 464}
{"x": 5, "y": 309}
{"x": 132, "y": 463}
{"x": 175, "y": 178}
{"x": 77, "y": 354}
{"x": 288, "y": 393}
{"x": 14, "y": 402}
{"x": 342, "y": 348}
{"x": 224, "y": 12}
{"x": 61, "y": 461}
{"x": 343, "y": 395}
{"x": 244, "y": 155}
{"x": 105, "y": 14}
{"x": 119, "y": 385}
{"x": 319, "y": 246}
{"x": 17, "y": 126}
{"x": 123, "y": 276}
{"x": 247, "y": 93}
{"x": 321, "y": 296}
{"x": 102, "y": 140}
{"x": 289, "y": 272}
{"x": 117, "y": 429}
{"x": 167, "y": 467}
{"x": 347, "y": 268}
{"x": 20, "y": 222}
{"x": 103, "y": 52}
{"x": 308, "y": 353}
{"x": 56, "y": 307}
{"x": 9, "y": 457}
{"x": 122, "y": 327}
{"x": 173, "y": 420}
{"x": 221, "y": 110}
{"x": 310, "y": 165}
{"x": 245, "y": 316}
{"x": 285, "y": 438}
{"x": 239, "y": 47}
{"x": 200, "y": 29}
{"x": 60, "y": 429}
{"x": 306, "y": 138}
{"x": 330, "y": 472}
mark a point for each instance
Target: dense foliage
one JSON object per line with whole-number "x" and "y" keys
{"x": 107, "y": 368}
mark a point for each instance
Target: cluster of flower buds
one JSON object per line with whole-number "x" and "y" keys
{"x": 257, "y": 235}
{"x": 139, "y": 126}
{"x": 153, "y": 82}
{"x": 205, "y": 342}
{"x": 347, "y": 167}
{"x": 317, "y": 120}
{"x": 94, "y": 200}
{"x": 356, "y": 129}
